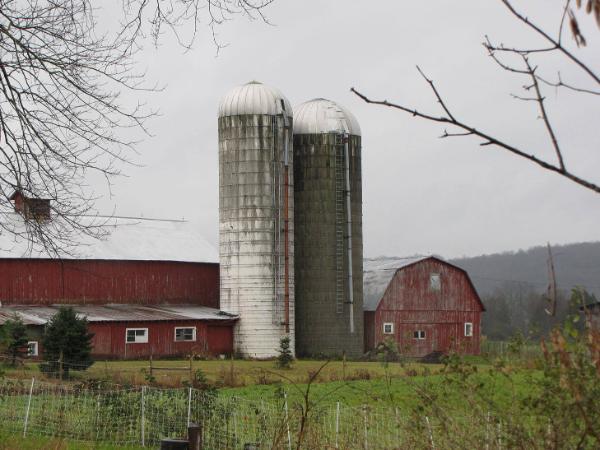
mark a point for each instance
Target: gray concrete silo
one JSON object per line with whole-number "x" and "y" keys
{"x": 328, "y": 230}
{"x": 256, "y": 245}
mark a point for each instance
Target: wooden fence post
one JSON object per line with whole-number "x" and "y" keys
{"x": 195, "y": 436}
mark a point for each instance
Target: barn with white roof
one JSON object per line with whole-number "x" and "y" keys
{"x": 148, "y": 287}
{"x": 425, "y": 305}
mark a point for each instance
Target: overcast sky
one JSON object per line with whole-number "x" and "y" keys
{"x": 421, "y": 194}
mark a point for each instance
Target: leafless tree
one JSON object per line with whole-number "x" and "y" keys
{"x": 522, "y": 63}
{"x": 62, "y": 75}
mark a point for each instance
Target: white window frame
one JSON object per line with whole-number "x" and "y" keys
{"x": 421, "y": 335}
{"x": 35, "y": 350}
{"x": 437, "y": 285}
{"x": 391, "y": 325}
{"x": 184, "y": 340}
{"x": 138, "y": 340}
{"x": 470, "y": 326}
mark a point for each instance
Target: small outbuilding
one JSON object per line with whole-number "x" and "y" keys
{"x": 134, "y": 331}
{"x": 426, "y": 305}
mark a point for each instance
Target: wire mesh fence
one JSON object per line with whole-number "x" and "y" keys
{"x": 145, "y": 415}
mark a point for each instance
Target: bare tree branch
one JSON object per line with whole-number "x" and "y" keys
{"x": 556, "y": 45}
{"x": 523, "y": 68}
{"x": 540, "y": 101}
{"x": 560, "y": 83}
{"x": 487, "y": 139}
{"x": 62, "y": 115}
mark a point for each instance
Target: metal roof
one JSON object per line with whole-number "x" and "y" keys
{"x": 254, "y": 98}
{"x": 324, "y": 116}
{"x": 377, "y": 274}
{"x": 40, "y": 315}
{"x": 125, "y": 239}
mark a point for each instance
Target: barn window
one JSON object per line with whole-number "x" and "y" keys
{"x": 419, "y": 334}
{"x": 32, "y": 348}
{"x": 136, "y": 335}
{"x": 434, "y": 282}
{"x": 468, "y": 329}
{"x": 185, "y": 333}
{"x": 388, "y": 328}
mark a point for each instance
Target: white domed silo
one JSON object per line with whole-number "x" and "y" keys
{"x": 328, "y": 230}
{"x": 256, "y": 193}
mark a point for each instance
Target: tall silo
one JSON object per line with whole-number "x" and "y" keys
{"x": 256, "y": 245}
{"x": 328, "y": 230}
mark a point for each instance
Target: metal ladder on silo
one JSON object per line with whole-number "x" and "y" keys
{"x": 340, "y": 182}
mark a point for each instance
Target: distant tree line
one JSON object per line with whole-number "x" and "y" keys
{"x": 520, "y": 308}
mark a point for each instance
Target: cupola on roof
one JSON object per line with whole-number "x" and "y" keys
{"x": 324, "y": 116}
{"x": 254, "y": 98}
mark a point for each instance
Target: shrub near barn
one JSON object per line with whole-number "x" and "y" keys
{"x": 67, "y": 344}
{"x": 13, "y": 340}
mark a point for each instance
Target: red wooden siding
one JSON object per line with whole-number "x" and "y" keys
{"x": 412, "y": 305}
{"x": 220, "y": 338}
{"x": 47, "y": 281}
{"x": 109, "y": 339}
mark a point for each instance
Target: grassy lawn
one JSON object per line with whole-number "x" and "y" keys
{"x": 18, "y": 442}
{"x": 230, "y": 373}
{"x": 397, "y": 391}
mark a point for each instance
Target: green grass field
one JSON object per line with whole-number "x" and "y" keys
{"x": 228, "y": 373}
{"x": 12, "y": 442}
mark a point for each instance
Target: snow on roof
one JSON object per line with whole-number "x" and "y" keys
{"x": 125, "y": 239}
{"x": 377, "y": 274}
{"x": 40, "y": 315}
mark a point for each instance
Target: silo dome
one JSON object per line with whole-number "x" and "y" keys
{"x": 324, "y": 116}
{"x": 254, "y": 98}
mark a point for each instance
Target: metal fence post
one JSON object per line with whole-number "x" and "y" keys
{"x": 28, "y": 407}
{"x": 287, "y": 422}
{"x": 189, "y": 410}
{"x": 430, "y": 433}
{"x": 487, "y": 432}
{"x": 143, "y": 415}
{"x": 366, "y": 429}
{"x": 337, "y": 424}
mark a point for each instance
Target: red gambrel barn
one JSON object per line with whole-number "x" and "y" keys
{"x": 427, "y": 305}
{"x": 149, "y": 287}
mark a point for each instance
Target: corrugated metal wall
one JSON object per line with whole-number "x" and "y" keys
{"x": 45, "y": 281}
{"x": 322, "y": 309}
{"x": 251, "y": 238}
{"x": 412, "y": 305}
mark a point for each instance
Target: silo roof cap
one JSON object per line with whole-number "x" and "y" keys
{"x": 324, "y": 116}
{"x": 254, "y": 98}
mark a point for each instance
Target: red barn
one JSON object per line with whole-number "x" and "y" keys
{"x": 426, "y": 305}
{"x": 132, "y": 331}
{"x": 149, "y": 287}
